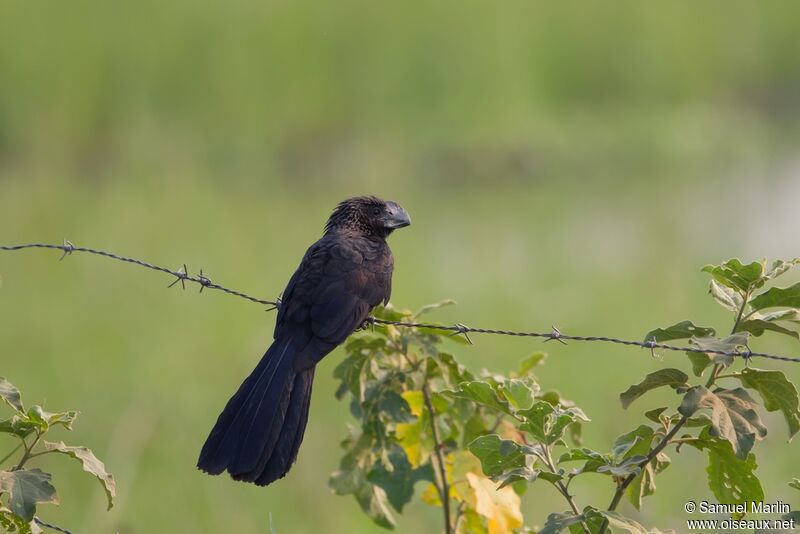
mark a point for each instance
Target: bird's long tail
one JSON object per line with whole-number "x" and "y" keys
{"x": 258, "y": 434}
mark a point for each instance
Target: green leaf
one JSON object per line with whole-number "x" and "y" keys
{"x": 550, "y": 477}
{"x": 435, "y": 306}
{"x": 26, "y": 489}
{"x": 700, "y": 361}
{"x": 581, "y": 454}
{"x": 373, "y": 502}
{"x": 626, "y": 524}
{"x": 537, "y": 419}
{"x": 777, "y": 392}
{"x": 725, "y": 296}
{"x": 759, "y": 326}
{"x": 779, "y": 267}
{"x": 12, "y": 523}
{"x": 729, "y": 344}
{"x": 390, "y": 313}
{"x": 665, "y": 377}
{"x": 560, "y": 419}
{"x": 519, "y": 392}
{"x": 10, "y": 394}
{"x": 91, "y": 464}
{"x": 682, "y": 330}
{"x": 497, "y": 455}
{"x": 655, "y": 414}
{"x": 626, "y": 467}
{"x": 644, "y": 484}
{"x": 453, "y": 372}
{"x": 394, "y": 406}
{"x": 399, "y": 482}
{"x": 45, "y": 420}
{"x": 482, "y": 393}
{"x": 625, "y": 443}
{"x": 791, "y": 314}
{"x": 591, "y": 518}
{"x": 350, "y": 369}
{"x": 593, "y": 460}
{"x": 792, "y": 516}
{"x": 731, "y": 479}
{"x": 733, "y": 415}
{"x": 637, "y": 444}
{"x": 788, "y": 297}
{"x": 350, "y": 478}
{"x": 557, "y": 522}
{"x": 531, "y": 362}
{"x": 732, "y": 343}
{"x": 18, "y": 425}
{"x": 525, "y": 474}
{"x": 735, "y": 275}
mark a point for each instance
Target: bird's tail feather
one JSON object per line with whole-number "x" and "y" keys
{"x": 257, "y": 435}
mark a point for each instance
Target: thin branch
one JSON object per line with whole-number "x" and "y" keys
{"x": 41, "y": 453}
{"x": 437, "y": 444}
{"x": 27, "y": 454}
{"x": 745, "y": 298}
{"x": 562, "y": 489}
{"x": 181, "y": 275}
{"x": 643, "y": 465}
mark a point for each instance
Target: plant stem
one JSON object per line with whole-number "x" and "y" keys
{"x": 10, "y": 454}
{"x": 560, "y": 485}
{"x": 444, "y": 488}
{"x": 26, "y": 456}
{"x": 459, "y": 515}
{"x": 650, "y": 457}
{"x": 730, "y": 375}
{"x": 715, "y": 373}
{"x": 745, "y": 298}
{"x": 40, "y": 453}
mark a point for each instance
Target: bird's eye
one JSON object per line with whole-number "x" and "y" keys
{"x": 376, "y": 211}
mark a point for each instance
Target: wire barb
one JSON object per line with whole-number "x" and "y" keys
{"x": 68, "y": 248}
{"x": 651, "y": 344}
{"x": 555, "y": 334}
{"x": 462, "y": 329}
{"x": 203, "y": 281}
{"x": 180, "y": 276}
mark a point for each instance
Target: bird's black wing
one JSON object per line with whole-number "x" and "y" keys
{"x": 338, "y": 282}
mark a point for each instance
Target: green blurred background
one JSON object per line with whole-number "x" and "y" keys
{"x": 567, "y": 163}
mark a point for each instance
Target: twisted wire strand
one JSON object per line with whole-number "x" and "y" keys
{"x": 182, "y": 276}
{"x": 51, "y": 527}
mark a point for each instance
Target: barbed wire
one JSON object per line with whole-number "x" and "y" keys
{"x": 182, "y": 275}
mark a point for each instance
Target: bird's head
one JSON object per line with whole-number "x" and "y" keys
{"x": 368, "y": 215}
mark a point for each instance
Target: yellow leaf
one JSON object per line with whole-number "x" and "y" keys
{"x": 413, "y": 436}
{"x": 409, "y": 435}
{"x": 458, "y": 464}
{"x": 430, "y": 495}
{"x": 470, "y": 523}
{"x": 499, "y": 507}
{"x": 415, "y": 400}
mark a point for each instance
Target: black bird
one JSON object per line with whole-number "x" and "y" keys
{"x": 340, "y": 279}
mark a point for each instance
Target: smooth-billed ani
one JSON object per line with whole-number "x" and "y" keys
{"x": 340, "y": 279}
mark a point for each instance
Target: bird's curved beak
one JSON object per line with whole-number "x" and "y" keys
{"x": 396, "y": 217}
